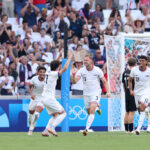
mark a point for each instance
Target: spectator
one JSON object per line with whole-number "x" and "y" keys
{"x": 19, "y": 4}
{"x": 45, "y": 38}
{"x": 85, "y": 12}
{"x": 109, "y": 4}
{"x": 128, "y": 22}
{"x": 85, "y": 43}
{"x": 40, "y": 4}
{"x": 77, "y": 89}
{"x": 8, "y": 7}
{"x": 7, "y": 83}
{"x": 1, "y": 69}
{"x": 115, "y": 16}
{"x": 76, "y": 24}
{"x": 59, "y": 4}
{"x": 99, "y": 60}
{"x": 24, "y": 74}
{"x": 4, "y": 29}
{"x": 12, "y": 70}
{"x": 73, "y": 45}
{"x": 79, "y": 4}
{"x": 29, "y": 13}
{"x": 98, "y": 14}
{"x": 94, "y": 41}
{"x": 145, "y": 16}
{"x": 43, "y": 17}
{"x": 22, "y": 29}
{"x": 60, "y": 20}
{"x": 139, "y": 26}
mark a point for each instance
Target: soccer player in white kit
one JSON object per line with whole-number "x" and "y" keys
{"x": 141, "y": 76}
{"x": 52, "y": 106}
{"x": 91, "y": 76}
{"x": 35, "y": 89}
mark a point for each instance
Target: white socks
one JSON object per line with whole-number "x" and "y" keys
{"x": 141, "y": 120}
{"x": 49, "y": 124}
{"x": 35, "y": 117}
{"x": 89, "y": 121}
{"x": 54, "y": 121}
{"x": 58, "y": 119}
{"x": 30, "y": 118}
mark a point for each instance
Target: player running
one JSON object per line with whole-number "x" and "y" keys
{"x": 35, "y": 89}
{"x": 52, "y": 106}
{"x": 141, "y": 76}
{"x": 91, "y": 76}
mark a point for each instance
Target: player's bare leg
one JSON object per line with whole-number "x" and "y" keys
{"x": 90, "y": 117}
{"x": 38, "y": 110}
{"x": 130, "y": 121}
{"x": 126, "y": 123}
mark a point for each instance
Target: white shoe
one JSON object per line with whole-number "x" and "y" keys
{"x": 32, "y": 126}
{"x": 30, "y": 132}
{"x": 148, "y": 130}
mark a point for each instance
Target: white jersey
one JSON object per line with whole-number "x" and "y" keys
{"x": 50, "y": 83}
{"x": 91, "y": 80}
{"x": 142, "y": 80}
{"x": 37, "y": 86}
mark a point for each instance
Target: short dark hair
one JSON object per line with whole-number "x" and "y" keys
{"x": 131, "y": 61}
{"x": 54, "y": 65}
{"x": 143, "y": 57}
{"x": 41, "y": 68}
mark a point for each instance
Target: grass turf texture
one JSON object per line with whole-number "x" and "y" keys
{"x": 75, "y": 141}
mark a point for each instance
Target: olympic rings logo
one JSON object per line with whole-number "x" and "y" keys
{"x": 77, "y": 112}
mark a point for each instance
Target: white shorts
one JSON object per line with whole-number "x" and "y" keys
{"x": 89, "y": 99}
{"x": 34, "y": 103}
{"x": 145, "y": 99}
{"x": 52, "y": 105}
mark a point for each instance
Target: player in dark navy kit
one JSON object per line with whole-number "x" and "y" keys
{"x": 129, "y": 99}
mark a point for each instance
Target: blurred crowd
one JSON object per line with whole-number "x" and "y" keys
{"x": 38, "y": 38}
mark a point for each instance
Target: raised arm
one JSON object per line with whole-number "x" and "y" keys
{"x": 67, "y": 63}
{"x": 24, "y": 9}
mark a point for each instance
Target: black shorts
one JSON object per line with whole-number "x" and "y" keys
{"x": 130, "y": 103}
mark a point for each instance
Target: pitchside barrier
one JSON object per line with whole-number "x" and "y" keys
{"x": 14, "y": 115}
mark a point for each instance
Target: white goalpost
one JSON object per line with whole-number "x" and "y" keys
{"x": 115, "y": 53}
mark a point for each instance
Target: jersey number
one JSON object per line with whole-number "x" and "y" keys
{"x": 137, "y": 79}
{"x": 46, "y": 79}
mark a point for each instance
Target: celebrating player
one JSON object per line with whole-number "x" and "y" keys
{"x": 52, "y": 106}
{"x": 35, "y": 90}
{"x": 141, "y": 76}
{"x": 129, "y": 99}
{"x": 91, "y": 76}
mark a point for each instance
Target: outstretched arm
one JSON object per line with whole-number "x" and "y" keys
{"x": 67, "y": 64}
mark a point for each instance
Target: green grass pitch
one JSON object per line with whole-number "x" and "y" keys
{"x": 75, "y": 141}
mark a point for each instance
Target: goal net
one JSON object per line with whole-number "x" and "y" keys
{"x": 118, "y": 50}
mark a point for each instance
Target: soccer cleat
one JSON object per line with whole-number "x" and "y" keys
{"x": 45, "y": 133}
{"x": 32, "y": 127}
{"x": 148, "y": 130}
{"x": 30, "y": 132}
{"x": 99, "y": 110}
{"x": 52, "y": 131}
{"x": 85, "y": 132}
{"x": 137, "y": 132}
